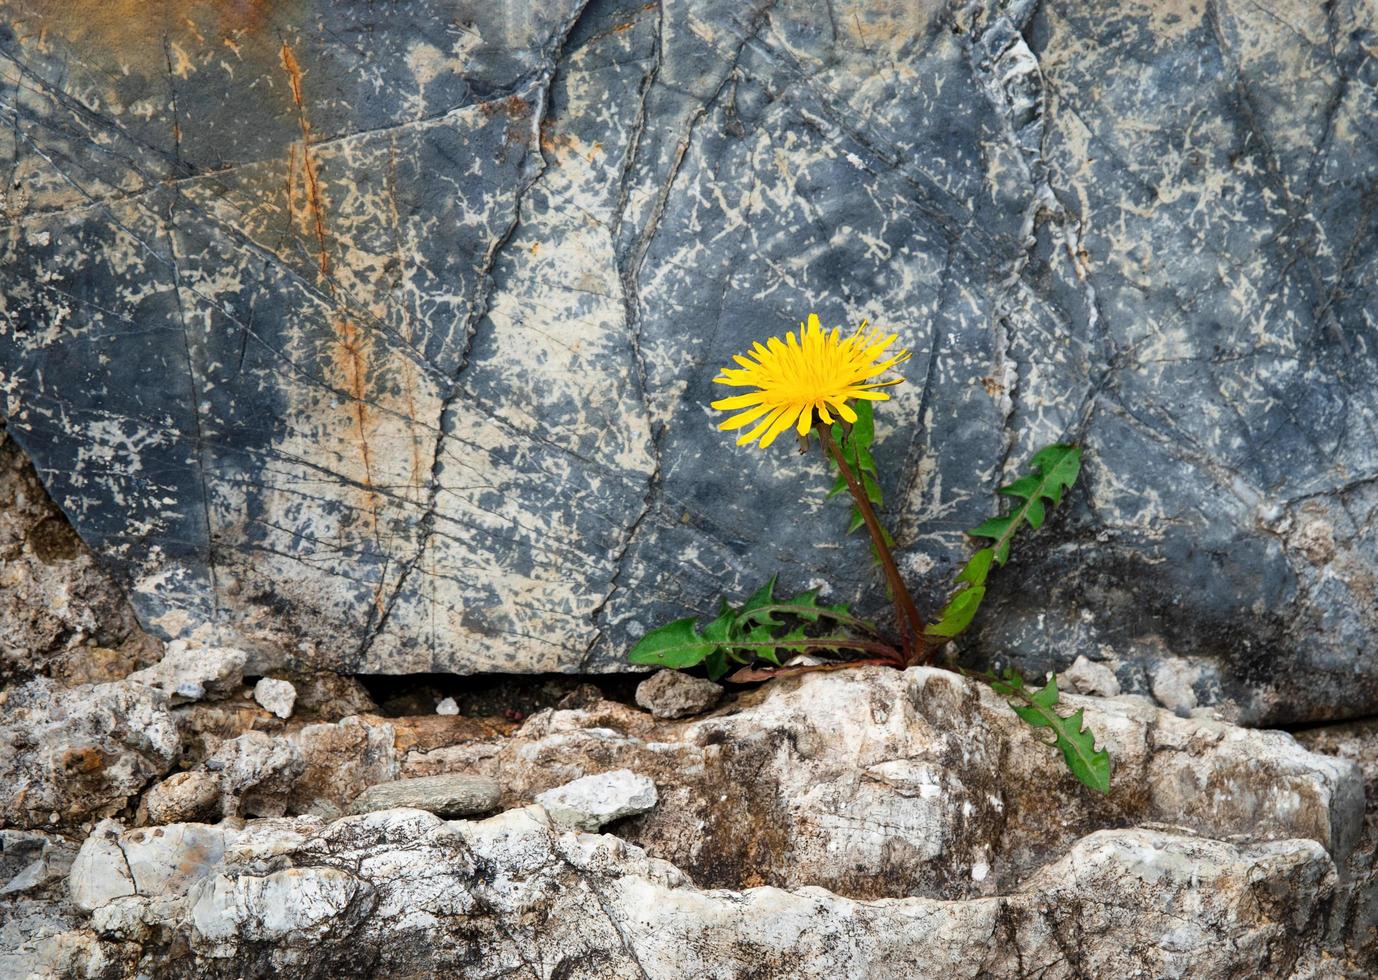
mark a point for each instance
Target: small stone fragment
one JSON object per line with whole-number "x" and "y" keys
{"x": 447, "y": 707}
{"x": 189, "y": 673}
{"x": 591, "y": 802}
{"x": 452, "y": 794}
{"x": 1173, "y": 686}
{"x": 672, "y": 694}
{"x": 184, "y": 797}
{"x": 275, "y": 696}
{"x": 1088, "y": 677}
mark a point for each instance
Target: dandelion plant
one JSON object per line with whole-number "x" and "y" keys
{"x": 808, "y": 382}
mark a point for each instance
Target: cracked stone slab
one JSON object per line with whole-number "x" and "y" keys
{"x": 397, "y": 361}
{"x": 401, "y": 890}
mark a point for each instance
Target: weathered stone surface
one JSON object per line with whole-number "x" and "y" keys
{"x": 401, "y": 891}
{"x": 672, "y": 694}
{"x": 875, "y": 783}
{"x": 449, "y": 795}
{"x": 54, "y": 599}
{"x": 399, "y": 361}
{"x": 189, "y": 672}
{"x": 256, "y": 771}
{"x": 184, "y": 797}
{"x": 69, "y": 755}
{"x": 276, "y": 696}
{"x": 862, "y": 823}
{"x": 591, "y": 802}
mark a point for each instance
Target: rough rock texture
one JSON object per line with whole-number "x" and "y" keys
{"x": 183, "y": 797}
{"x": 448, "y": 795}
{"x": 393, "y": 356}
{"x": 189, "y": 672}
{"x": 591, "y": 802}
{"x": 861, "y": 823}
{"x": 876, "y": 783}
{"x": 70, "y": 755}
{"x": 672, "y": 694}
{"x": 276, "y": 696}
{"x": 55, "y": 603}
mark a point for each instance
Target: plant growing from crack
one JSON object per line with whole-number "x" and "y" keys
{"x": 809, "y": 383}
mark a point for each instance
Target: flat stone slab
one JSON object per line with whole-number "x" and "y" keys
{"x": 400, "y": 362}
{"x": 448, "y": 795}
{"x": 591, "y": 802}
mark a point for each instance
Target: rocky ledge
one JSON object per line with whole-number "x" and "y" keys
{"x": 863, "y": 822}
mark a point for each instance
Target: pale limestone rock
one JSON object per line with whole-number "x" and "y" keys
{"x": 275, "y": 696}
{"x": 1172, "y": 683}
{"x": 182, "y": 797}
{"x": 79, "y": 752}
{"x": 256, "y": 773}
{"x": 1088, "y": 677}
{"x": 675, "y": 694}
{"x": 189, "y": 672}
{"x": 401, "y": 891}
{"x": 100, "y": 872}
{"x": 31, "y": 860}
{"x": 878, "y": 782}
{"x": 593, "y": 801}
{"x": 449, "y": 795}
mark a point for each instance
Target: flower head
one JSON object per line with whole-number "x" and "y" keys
{"x": 815, "y": 374}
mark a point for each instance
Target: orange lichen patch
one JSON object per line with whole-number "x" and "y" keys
{"x": 351, "y": 366}
{"x": 87, "y": 759}
{"x": 134, "y": 32}
{"x": 423, "y": 733}
{"x": 314, "y": 211}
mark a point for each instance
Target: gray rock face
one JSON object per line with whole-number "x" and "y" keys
{"x": 449, "y": 795}
{"x": 414, "y": 341}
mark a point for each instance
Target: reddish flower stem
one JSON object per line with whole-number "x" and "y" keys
{"x": 906, "y": 613}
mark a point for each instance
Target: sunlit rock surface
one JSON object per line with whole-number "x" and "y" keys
{"x": 389, "y": 331}
{"x": 859, "y": 823}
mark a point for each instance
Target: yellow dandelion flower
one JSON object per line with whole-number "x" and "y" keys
{"x": 802, "y": 379}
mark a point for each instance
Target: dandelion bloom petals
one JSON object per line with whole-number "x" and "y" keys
{"x": 808, "y": 377}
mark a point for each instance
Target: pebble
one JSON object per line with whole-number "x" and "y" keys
{"x": 672, "y": 694}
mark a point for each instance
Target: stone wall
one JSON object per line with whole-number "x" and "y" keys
{"x": 378, "y": 338}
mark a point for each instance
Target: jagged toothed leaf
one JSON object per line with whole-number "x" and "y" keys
{"x": 716, "y": 664}
{"x": 872, "y": 488}
{"x": 678, "y": 644}
{"x": 958, "y": 613}
{"x": 839, "y": 485}
{"x": 864, "y": 428}
{"x": 858, "y": 519}
{"x": 993, "y": 527}
{"x": 764, "y": 596}
{"x": 1091, "y": 766}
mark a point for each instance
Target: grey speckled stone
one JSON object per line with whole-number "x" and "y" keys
{"x": 395, "y": 355}
{"x": 453, "y": 794}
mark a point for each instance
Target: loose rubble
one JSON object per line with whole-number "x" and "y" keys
{"x": 674, "y": 694}
{"x": 275, "y": 696}
{"x": 905, "y": 820}
{"x": 189, "y": 672}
